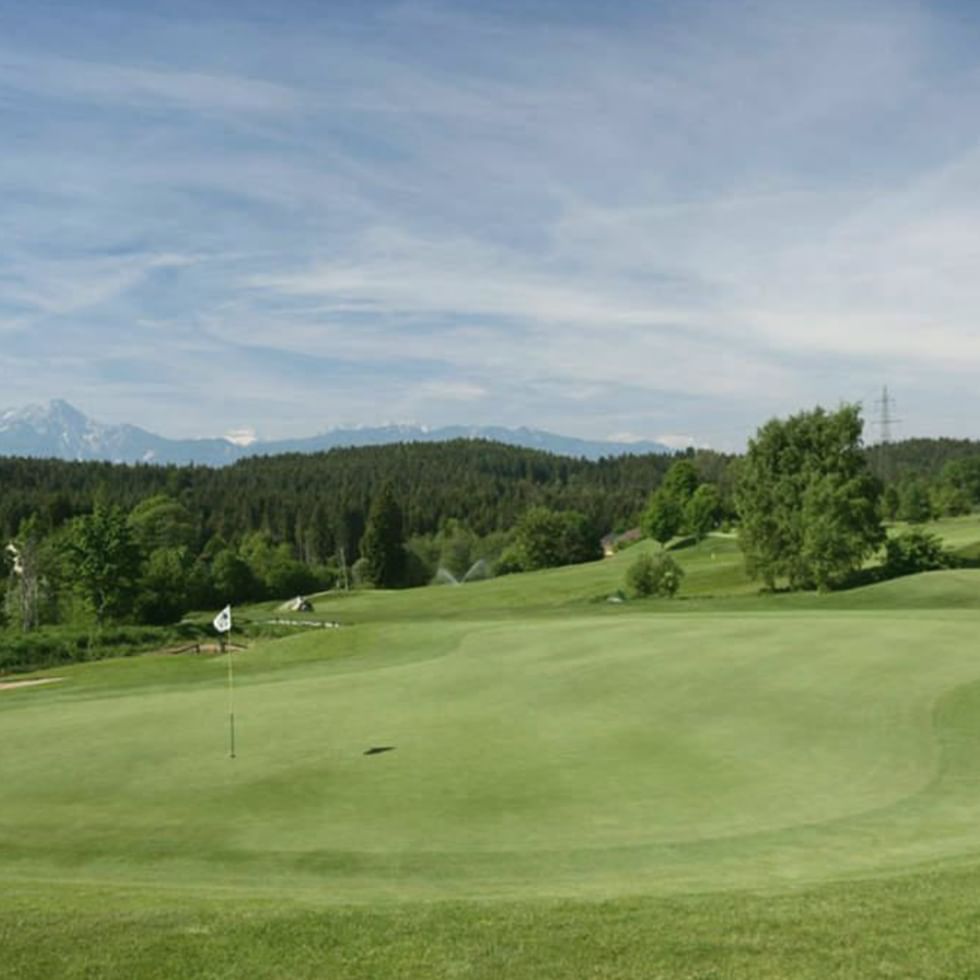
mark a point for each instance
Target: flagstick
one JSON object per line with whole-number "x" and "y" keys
{"x": 231, "y": 703}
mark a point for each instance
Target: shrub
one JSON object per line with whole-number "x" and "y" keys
{"x": 56, "y": 645}
{"x": 653, "y": 575}
{"x": 509, "y": 562}
{"x": 915, "y": 551}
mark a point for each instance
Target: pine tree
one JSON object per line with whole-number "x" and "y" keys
{"x": 382, "y": 545}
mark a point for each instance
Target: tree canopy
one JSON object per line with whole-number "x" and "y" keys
{"x": 807, "y": 502}
{"x": 382, "y": 547}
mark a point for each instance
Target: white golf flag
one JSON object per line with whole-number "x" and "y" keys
{"x": 222, "y": 622}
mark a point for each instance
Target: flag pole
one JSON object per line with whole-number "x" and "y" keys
{"x": 231, "y": 704}
{"x": 222, "y": 623}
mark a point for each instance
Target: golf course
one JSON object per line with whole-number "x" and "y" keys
{"x": 516, "y": 778}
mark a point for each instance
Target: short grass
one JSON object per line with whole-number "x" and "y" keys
{"x": 780, "y": 786}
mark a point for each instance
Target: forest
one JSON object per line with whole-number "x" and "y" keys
{"x": 93, "y": 544}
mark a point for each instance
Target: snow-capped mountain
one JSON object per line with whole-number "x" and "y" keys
{"x": 61, "y": 431}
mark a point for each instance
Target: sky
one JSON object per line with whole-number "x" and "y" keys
{"x": 611, "y": 220}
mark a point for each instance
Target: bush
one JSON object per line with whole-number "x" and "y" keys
{"x": 509, "y": 562}
{"x": 546, "y": 538}
{"x": 915, "y": 551}
{"x": 652, "y": 575}
{"x": 56, "y": 645}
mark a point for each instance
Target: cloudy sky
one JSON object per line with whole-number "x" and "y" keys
{"x": 605, "y": 219}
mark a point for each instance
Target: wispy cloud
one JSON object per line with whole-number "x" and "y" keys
{"x": 139, "y": 86}
{"x": 64, "y": 286}
{"x": 669, "y": 219}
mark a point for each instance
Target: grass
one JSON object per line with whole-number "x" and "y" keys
{"x": 778, "y": 786}
{"x": 713, "y": 567}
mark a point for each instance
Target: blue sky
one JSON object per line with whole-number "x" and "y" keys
{"x": 621, "y": 219}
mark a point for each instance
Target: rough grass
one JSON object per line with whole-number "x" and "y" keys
{"x": 921, "y": 926}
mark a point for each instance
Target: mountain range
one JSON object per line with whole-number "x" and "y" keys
{"x": 61, "y": 431}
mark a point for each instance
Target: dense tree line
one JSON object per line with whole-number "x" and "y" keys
{"x": 102, "y": 542}
{"x": 319, "y": 503}
{"x": 145, "y": 543}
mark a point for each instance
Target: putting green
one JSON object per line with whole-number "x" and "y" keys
{"x": 584, "y": 754}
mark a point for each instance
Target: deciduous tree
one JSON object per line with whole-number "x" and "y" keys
{"x": 104, "y": 560}
{"x": 807, "y": 503}
{"x": 663, "y": 517}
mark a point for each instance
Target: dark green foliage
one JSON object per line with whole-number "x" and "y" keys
{"x": 418, "y": 571}
{"x": 927, "y": 459}
{"x": 52, "y": 646}
{"x": 963, "y": 474}
{"x": 545, "y": 538}
{"x": 578, "y": 539}
{"x": 289, "y": 577}
{"x": 890, "y": 503}
{"x": 161, "y": 522}
{"x": 232, "y": 578}
{"x": 509, "y": 562}
{"x": 654, "y": 575}
{"x": 163, "y": 594}
{"x": 915, "y": 506}
{"x": 663, "y": 517}
{"x": 703, "y": 511}
{"x": 104, "y": 559}
{"x": 680, "y": 481}
{"x": 915, "y": 551}
{"x": 676, "y": 506}
{"x": 382, "y": 546}
{"x": 949, "y": 500}
{"x": 268, "y": 527}
{"x": 276, "y": 573}
{"x": 456, "y": 549}
{"x": 808, "y": 504}
{"x": 318, "y": 503}
{"x": 538, "y": 539}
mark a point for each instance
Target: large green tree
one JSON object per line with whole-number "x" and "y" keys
{"x": 663, "y": 517}
{"x": 681, "y": 480}
{"x": 666, "y": 513}
{"x": 546, "y": 538}
{"x": 382, "y": 546}
{"x": 161, "y": 522}
{"x": 104, "y": 560}
{"x": 702, "y": 510}
{"x": 807, "y": 503}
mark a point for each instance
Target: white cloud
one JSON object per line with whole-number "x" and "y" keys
{"x": 731, "y": 211}
{"x": 454, "y": 391}
{"x": 679, "y": 441}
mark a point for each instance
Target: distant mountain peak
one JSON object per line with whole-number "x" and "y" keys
{"x": 58, "y": 429}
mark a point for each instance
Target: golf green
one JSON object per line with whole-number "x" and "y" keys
{"x": 586, "y": 754}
